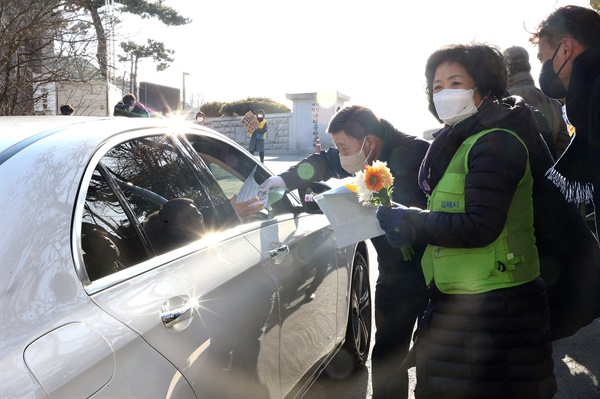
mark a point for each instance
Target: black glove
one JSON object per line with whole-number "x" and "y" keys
{"x": 390, "y": 216}
{"x": 389, "y": 220}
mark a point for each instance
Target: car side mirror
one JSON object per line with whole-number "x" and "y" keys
{"x": 309, "y": 205}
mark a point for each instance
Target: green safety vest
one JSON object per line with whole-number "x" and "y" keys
{"x": 512, "y": 259}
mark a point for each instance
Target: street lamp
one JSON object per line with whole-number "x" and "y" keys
{"x": 183, "y": 91}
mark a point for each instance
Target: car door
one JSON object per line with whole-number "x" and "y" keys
{"x": 300, "y": 254}
{"x": 209, "y": 304}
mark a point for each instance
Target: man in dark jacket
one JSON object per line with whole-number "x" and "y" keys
{"x": 360, "y": 138}
{"x": 569, "y": 49}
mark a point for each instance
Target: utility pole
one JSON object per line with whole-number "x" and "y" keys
{"x": 183, "y": 91}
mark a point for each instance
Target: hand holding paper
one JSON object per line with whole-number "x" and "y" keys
{"x": 273, "y": 182}
{"x": 253, "y": 194}
{"x": 351, "y": 221}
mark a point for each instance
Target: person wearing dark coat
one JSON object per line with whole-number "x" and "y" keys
{"x": 486, "y": 330}
{"x": 520, "y": 83}
{"x": 66, "y": 109}
{"x": 400, "y": 294}
{"x": 258, "y": 136}
{"x": 568, "y": 43}
{"x": 129, "y": 106}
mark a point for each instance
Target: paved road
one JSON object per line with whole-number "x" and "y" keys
{"x": 576, "y": 359}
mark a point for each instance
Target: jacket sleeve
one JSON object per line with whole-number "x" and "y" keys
{"x": 316, "y": 167}
{"x": 563, "y": 138}
{"x": 496, "y": 163}
{"x": 404, "y": 163}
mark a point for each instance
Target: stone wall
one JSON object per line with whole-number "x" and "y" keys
{"x": 278, "y": 130}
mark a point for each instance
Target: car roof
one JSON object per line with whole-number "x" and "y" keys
{"x": 18, "y": 132}
{"x": 15, "y": 129}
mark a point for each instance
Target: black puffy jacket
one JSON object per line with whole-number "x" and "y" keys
{"x": 495, "y": 344}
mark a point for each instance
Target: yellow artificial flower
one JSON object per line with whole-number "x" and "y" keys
{"x": 352, "y": 187}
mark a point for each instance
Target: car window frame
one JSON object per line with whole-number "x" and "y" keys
{"x": 103, "y": 283}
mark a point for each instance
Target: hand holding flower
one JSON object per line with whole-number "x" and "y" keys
{"x": 374, "y": 186}
{"x": 390, "y": 216}
{"x": 389, "y": 220}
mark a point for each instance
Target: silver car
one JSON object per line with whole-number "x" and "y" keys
{"x": 108, "y": 290}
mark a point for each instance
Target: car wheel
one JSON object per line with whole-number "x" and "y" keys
{"x": 358, "y": 332}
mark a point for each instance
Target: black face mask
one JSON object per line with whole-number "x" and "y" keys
{"x": 550, "y": 83}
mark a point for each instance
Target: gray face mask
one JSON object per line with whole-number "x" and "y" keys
{"x": 355, "y": 162}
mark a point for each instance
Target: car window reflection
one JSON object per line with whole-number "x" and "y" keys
{"x": 105, "y": 225}
{"x": 178, "y": 222}
{"x": 147, "y": 197}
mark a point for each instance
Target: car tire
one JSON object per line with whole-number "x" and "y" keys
{"x": 358, "y": 331}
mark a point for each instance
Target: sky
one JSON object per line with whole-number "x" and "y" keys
{"x": 372, "y": 51}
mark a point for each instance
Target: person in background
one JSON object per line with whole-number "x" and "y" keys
{"x": 568, "y": 43}
{"x": 66, "y": 109}
{"x": 360, "y": 138}
{"x": 258, "y": 136}
{"x": 520, "y": 83}
{"x": 200, "y": 117}
{"x": 129, "y": 106}
{"x": 486, "y": 329}
{"x": 167, "y": 112}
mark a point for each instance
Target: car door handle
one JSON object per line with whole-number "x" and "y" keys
{"x": 174, "y": 316}
{"x": 279, "y": 253}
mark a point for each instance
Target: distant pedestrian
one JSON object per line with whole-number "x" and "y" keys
{"x": 167, "y": 112}
{"x": 521, "y": 83}
{"x": 66, "y": 109}
{"x": 129, "y": 106}
{"x": 258, "y": 136}
{"x": 200, "y": 117}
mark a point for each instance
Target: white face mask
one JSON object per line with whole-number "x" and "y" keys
{"x": 453, "y": 105}
{"x": 355, "y": 162}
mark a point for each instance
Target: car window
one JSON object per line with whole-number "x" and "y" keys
{"x": 147, "y": 197}
{"x": 229, "y": 183}
{"x": 231, "y": 167}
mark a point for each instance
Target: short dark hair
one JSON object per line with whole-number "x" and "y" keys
{"x": 483, "y": 62}
{"x": 129, "y": 98}
{"x": 356, "y": 122}
{"x": 171, "y": 209}
{"x": 66, "y": 109}
{"x": 579, "y": 23}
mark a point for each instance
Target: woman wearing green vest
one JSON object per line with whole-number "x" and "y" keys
{"x": 486, "y": 330}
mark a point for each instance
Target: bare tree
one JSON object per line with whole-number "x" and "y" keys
{"x": 41, "y": 44}
{"x": 143, "y": 8}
